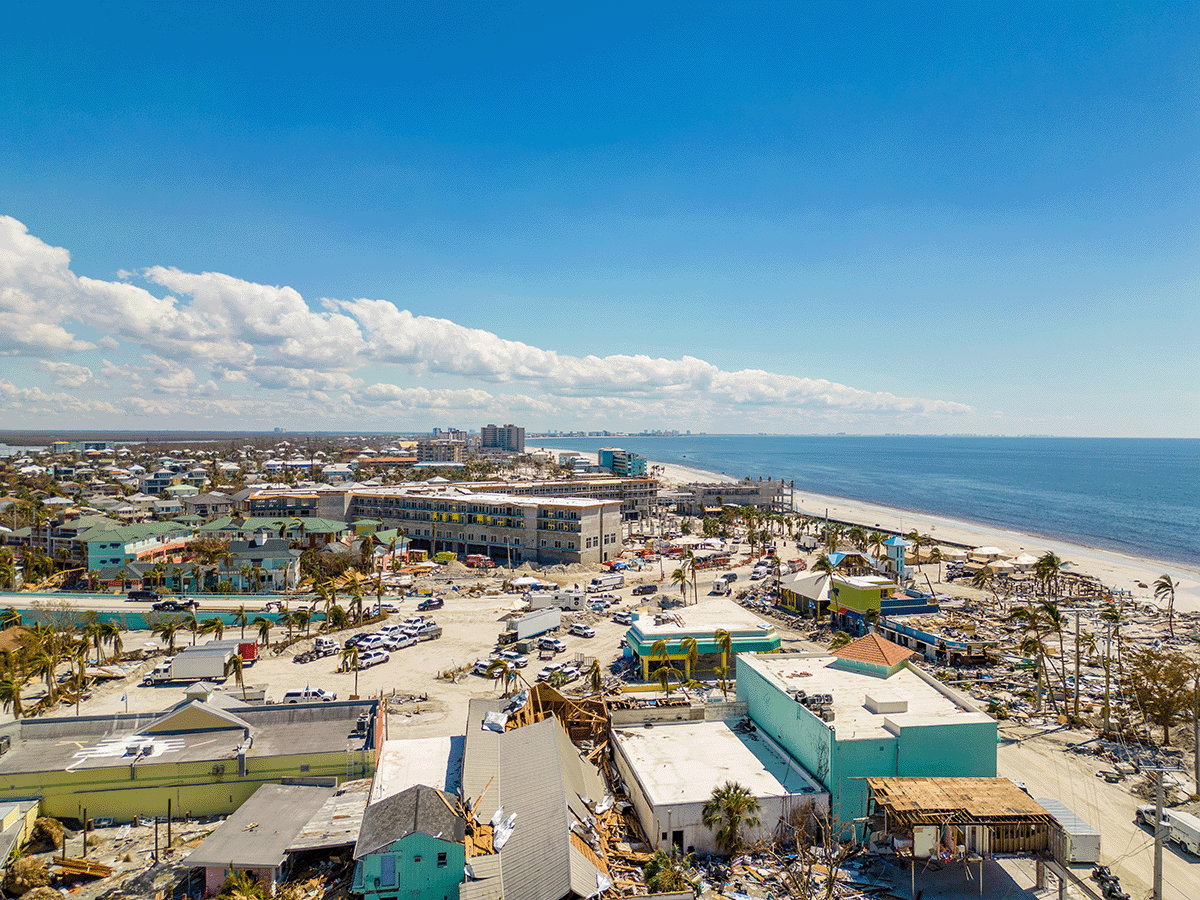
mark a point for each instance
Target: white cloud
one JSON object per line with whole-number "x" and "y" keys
{"x": 65, "y": 374}
{"x": 217, "y": 346}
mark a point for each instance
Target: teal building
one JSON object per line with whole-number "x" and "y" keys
{"x": 865, "y": 710}
{"x": 410, "y": 845}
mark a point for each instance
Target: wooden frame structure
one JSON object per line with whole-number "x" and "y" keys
{"x": 994, "y": 815}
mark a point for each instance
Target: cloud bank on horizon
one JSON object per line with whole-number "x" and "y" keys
{"x": 171, "y": 349}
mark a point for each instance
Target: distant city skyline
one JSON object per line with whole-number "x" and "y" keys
{"x": 941, "y": 218}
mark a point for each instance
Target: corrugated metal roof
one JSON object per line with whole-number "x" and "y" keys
{"x": 259, "y": 832}
{"x": 535, "y": 772}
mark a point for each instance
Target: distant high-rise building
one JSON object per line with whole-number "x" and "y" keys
{"x": 506, "y": 437}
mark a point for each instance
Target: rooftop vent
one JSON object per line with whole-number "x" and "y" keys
{"x": 886, "y": 702}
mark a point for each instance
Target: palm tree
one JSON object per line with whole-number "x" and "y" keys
{"x": 595, "y": 676}
{"x": 263, "y": 624}
{"x": 335, "y": 618}
{"x": 167, "y": 630}
{"x": 95, "y": 634}
{"x": 503, "y": 671}
{"x": 724, "y": 642}
{"x": 235, "y": 665}
{"x": 44, "y": 664}
{"x": 858, "y": 537}
{"x": 671, "y": 873}
{"x": 691, "y": 654}
{"x": 824, "y": 565}
{"x": 193, "y": 625}
{"x": 660, "y": 653}
{"x": 1047, "y": 570}
{"x": 730, "y": 808}
{"x": 247, "y": 573}
{"x": 350, "y": 661}
{"x": 875, "y": 540}
{"x": 240, "y": 618}
{"x": 110, "y": 633}
{"x": 213, "y": 625}
{"x": 195, "y": 573}
{"x": 680, "y": 578}
{"x": 10, "y": 618}
{"x": 302, "y": 619}
{"x": 10, "y": 695}
{"x": 915, "y": 538}
{"x": 840, "y": 639}
{"x": 1164, "y": 588}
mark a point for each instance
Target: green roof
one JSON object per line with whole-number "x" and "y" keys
{"x": 126, "y": 533}
{"x": 255, "y": 523}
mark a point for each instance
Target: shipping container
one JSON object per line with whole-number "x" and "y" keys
{"x": 1075, "y": 841}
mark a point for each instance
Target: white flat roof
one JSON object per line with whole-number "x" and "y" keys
{"x": 683, "y": 762}
{"x": 434, "y": 762}
{"x": 705, "y": 618}
{"x": 927, "y": 705}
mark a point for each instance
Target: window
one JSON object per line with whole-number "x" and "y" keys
{"x": 441, "y": 860}
{"x": 387, "y": 870}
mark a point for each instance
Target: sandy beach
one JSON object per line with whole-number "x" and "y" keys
{"x": 1116, "y": 570}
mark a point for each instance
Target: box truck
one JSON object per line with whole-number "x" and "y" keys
{"x": 605, "y": 583}
{"x": 521, "y": 628}
{"x": 204, "y": 662}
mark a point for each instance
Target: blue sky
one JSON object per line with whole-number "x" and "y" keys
{"x": 845, "y": 217}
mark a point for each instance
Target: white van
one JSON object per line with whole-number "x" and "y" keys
{"x": 307, "y": 695}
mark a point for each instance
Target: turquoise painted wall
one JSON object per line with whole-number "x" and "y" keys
{"x": 418, "y": 874}
{"x": 959, "y": 749}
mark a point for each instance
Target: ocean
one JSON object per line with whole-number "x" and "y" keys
{"x": 1131, "y": 495}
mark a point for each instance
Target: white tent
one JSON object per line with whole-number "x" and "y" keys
{"x": 986, "y": 553}
{"x": 525, "y": 581}
{"x": 1000, "y": 565}
{"x": 953, "y": 553}
{"x": 1025, "y": 560}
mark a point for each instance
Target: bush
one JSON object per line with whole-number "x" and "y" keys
{"x": 26, "y": 874}
{"x": 47, "y": 833}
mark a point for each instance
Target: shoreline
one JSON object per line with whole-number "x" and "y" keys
{"x": 1115, "y": 569}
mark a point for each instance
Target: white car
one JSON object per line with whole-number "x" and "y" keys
{"x": 581, "y": 630}
{"x": 405, "y": 640}
{"x": 514, "y": 658}
{"x": 373, "y": 658}
{"x": 373, "y": 642}
{"x": 548, "y": 671}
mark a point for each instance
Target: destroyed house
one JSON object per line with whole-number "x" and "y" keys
{"x": 543, "y": 798}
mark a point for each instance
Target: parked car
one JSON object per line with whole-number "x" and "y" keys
{"x": 481, "y": 666}
{"x": 514, "y": 658}
{"x": 571, "y": 671}
{"x": 413, "y": 622}
{"x": 623, "y": 618}
{"x": 372, "y": 642}
{"x": 356, "y": 640}
{"x": 431, "y": 603}
{"x": 307, "y": 695}
{"x": 387, "y": 608}
{"x": 430, "y": 631}
{"x": 643, "y": 589}
{"x": 175, "y": 605}
{"x": 142, "y": 595}
{"x": 581, "y": 630}
{"x": 547, "y": 671}
{"x": 405, "y": 640}
{"x": 373, "y": 658}
{"x": 552, "y": 644}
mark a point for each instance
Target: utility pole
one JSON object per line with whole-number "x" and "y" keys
{"x": 1160, "y": 834}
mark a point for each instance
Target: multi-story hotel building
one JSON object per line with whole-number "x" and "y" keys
{"x": 509, "y": 529}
